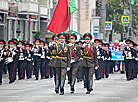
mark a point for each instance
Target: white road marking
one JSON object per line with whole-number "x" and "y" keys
{"x": 111, "y": 98}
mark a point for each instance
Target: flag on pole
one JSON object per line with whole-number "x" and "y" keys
{"x": 60, "y": 19}
{"x": 132, "y": 2}
{"x": 73, "y": 7}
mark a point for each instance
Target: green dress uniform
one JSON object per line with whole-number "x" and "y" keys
{"x": 62, "y": 62}
{"x": 90, "y": 61}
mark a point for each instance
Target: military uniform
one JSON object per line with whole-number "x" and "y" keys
{"x": 62, "y": 62}
{"x": 10, "y": 61}
{"x": 89, "y": 62}
{"x": 75, "y": 55}
{"x": 53, "y": 52}
{"x": 37, "y": 61}
{"x": 29, "y": 59}
{"x": 21, "y": 61}
{"x": 136, "y": 59}
{"x": 2, "y": 58}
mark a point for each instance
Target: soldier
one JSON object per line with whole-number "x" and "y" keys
{"x": 21, "y": 60}
{"x": 90, "y": 61}
{"x": 75, "y": 53}
{"x": 98, "y": 44}
{"x": 128, "y": 56}
{"x": 29, "y": 59}
{"x": 43, "y": 60}
{"x": 37, "y": 54}
{"x": 10, "y": 60}
{"x": 2, "y": 58}
{"x": 106, "y": 54}
{"x": 136, "y": 66}
{"x": 53, "y": 52}
{"x": 62, "y": 62}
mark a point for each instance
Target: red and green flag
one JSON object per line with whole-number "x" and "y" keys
{"x": 132, "y": 2}
{"x": 60, "y": 20}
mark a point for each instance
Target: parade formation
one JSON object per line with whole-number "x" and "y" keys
{"x": 67, "y": 59}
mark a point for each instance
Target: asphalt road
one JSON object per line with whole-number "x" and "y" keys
{"x": 113, "y": 89}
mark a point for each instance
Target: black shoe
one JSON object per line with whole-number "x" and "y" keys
{"x": 89, "y": 91}
{"x": 107, "y": 76}
{"x": 51, "y": 76}
{"x": 36, "y": 79}
{"x": 47, "y": 77}
{"x": 0, "y": 83}
{"x": 10, "y": 82}
{"x": 78, "y": 81}
{"x": 57, "y": 91}
{"x": 72, "y": 91}
{"x": 62, "y": 93}
{"x": 128, "y": 79}
{"x": 135, "y": 76}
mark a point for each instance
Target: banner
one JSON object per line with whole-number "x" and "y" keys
{"x": 117, "y": 55}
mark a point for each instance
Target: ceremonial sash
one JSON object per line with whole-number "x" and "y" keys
{"x": 72, "y": 51}
{"x": 89, "y": 51}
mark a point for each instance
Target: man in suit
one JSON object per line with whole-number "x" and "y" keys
{"x": 90, "y": 61}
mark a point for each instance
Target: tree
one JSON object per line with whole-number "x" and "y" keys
{"x": 114, "y": 11}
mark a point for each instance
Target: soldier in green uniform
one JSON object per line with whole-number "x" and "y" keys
{"x": 53, "y": 52}
{"x": 90, "y": 61}
{"x": 62, "y": 62}
{"x": 75, "y": 53}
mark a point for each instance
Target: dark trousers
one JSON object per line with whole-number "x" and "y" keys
{"x": 106, "y": 69}
{"x": 47, "y": 68}
{"x": 4, "y": 68}
{"x": 79, "y": 74}
{"x": 112, "y": 65}
{"x": 11, "y": 69}
{"x": 128, "y": 69}
{"x": 21, "y": 69}
{"x": 43, "y": 68}
{"x": 1, "y": 67}
{"x": 29, "y": 69}
{"x": 36, "y": 68}
{"x": 88, "y": 75}
{"x": 54, "y": 71}
{"x": 102, "y": 68}
{"x": 132, "y": 70}
{"x": 136, "y": 69}
{"x": 98, "y": 71}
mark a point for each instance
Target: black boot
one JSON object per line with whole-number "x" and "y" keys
{"x": 57, "y": 86}
{"x": 62, "y": 87}
{"x": 72, "y": 86}
{"x": 89, "y": 89}
{"x": 84, "y": 84}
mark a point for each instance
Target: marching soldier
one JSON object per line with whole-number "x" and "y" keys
{"x": 53, "y": 52}
{"x": 21, "y": 60}
{"x": 62, "y": 62}
{"x": 37, "y": 54}
{"x": 90, "y": 61}
{"x": 2, "y": 58}
{"x": 99, "y": 44}
{"x": 106, "y": 54}
{"x": 136, "y": 66}
{"x": 43, "y": 60}
{"x": 75, "y": 53}
{"x": 10, "y": 60}
{"x": 128, "y": 56}
{"x": 29, "y": 59}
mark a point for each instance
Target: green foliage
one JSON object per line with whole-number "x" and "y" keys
{"x": 114, "y": 11}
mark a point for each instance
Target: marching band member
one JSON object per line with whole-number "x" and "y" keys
{"x": 2, "y": 58}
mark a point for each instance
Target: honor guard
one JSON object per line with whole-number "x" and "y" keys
{"x": 90, "y": 61}
{"x": 29, "y": 59}
{"x": 21, "y": 60}
{"x": 10, "y": 60}
{"x": 75, "y": 53}
{"x": 62, "y": 62}
{"x": 53, "y": 52}
{"x": 99, "y": 49}
{"x": 2, "y": 57}
{"x": 128, "y": 56}
{"x": 136, "y": 66}
{"x": 37, "y": 54}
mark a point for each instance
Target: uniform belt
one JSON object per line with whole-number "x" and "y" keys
{"x": 61, "y": 57}
{"x": 87, "y": 57}
{"x": 72, "y": 57}
{"x": 53, "y": 56}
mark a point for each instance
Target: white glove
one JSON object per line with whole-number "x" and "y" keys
{"x": 72, "y": 61}
{"x": 96, "y": 67}
{"x": 70, "y": 44}
{"x": 5, "y": 53}
{"x": 50, "y": 44}
{"x": 68, "y": 68}
{"x": 14, "y": 53}
{"x": 136, "y": 59}
{"x": 83, "y": 46}
{"x": 53, "y": 43}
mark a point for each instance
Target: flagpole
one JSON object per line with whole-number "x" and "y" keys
{"x": 69, "y": 20}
